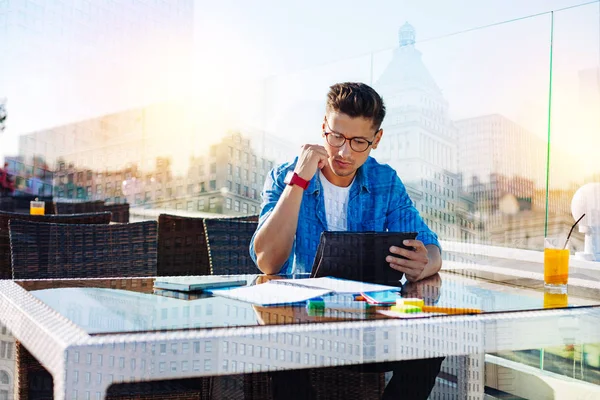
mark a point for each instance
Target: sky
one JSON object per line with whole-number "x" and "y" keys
{"x": 267, "y": 64}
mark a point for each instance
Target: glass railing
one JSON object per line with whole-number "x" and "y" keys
{"x": 467, "y": 129}
{"x": 134, "y": 115}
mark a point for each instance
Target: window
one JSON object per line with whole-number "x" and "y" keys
{"x": 228, "y": 204}
{"x": 213, "y": 168}
{"x": 4, "y": 378}
{"x": 201, "y": 205}
{"x": 6, "y": 350}
{"x": 245, "y": 208}
{"x": 236, "y": 205}
{"x": 213, "y": 185}
{"x": 229, "y": 169}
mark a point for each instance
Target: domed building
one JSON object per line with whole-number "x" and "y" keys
{"x": 420, "y": 138}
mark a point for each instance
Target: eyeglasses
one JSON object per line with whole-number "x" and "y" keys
{"x": 337, "y": 140}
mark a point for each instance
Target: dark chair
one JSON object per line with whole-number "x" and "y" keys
{"x": 5, "y": 263}
{"x": 343, "y": 383}
{"x": 78, "y": 207}
{"x": 22, "y": 203}
{"x": 182, "y": 248}
{"x": 49, "y": 251}
{"x": 7, "y": 204}
{"x": 32, "y": 380}
{"x": 228, "y": 243}
{"x": 120, "y": 212}
{"x": 179, "y": 389}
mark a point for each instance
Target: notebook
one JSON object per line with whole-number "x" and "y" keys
{"x": 292, "y": 291}
{"x": 197, "y": 283}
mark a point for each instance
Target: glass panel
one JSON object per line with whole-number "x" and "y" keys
{"x": 575, "y": 125}
{"x": 465, "y": 129}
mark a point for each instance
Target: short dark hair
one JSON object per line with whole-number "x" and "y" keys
{"x": 356, "y": 99}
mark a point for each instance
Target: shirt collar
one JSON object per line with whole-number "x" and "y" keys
{"x": 361, "y": 180}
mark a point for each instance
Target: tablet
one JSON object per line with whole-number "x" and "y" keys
{"x": 359, "y": 256}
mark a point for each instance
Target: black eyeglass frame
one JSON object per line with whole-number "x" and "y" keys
{"x": 370, "y": 142}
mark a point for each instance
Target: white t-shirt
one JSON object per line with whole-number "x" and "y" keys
{"x": 336, "y": 204}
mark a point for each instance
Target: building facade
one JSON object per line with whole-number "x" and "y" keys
{"x": 420, "y": 137}
{"x": 230, "y": 178}
{"x": 492, "y": 145}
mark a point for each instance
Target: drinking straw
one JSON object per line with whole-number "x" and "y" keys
{"x": 571, "y": 231}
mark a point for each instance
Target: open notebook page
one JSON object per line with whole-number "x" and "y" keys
{"x": 336, "y": 285}
{"x": 270, "y": 293}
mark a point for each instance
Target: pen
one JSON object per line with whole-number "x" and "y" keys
{"x": 451, "y": 310}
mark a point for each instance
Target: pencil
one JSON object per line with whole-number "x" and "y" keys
{"x": 451, "y": 310}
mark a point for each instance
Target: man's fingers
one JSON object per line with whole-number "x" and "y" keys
{"x": 416, "y": 244}
{"x": 411, "y": 264}
{"x": 409, "y": 254}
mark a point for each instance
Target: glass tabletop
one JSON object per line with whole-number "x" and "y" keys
{"x": 127, "y": 305}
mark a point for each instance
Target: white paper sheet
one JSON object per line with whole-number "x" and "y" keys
{"x": 338, "y": 285}
{"x": 271, "y": 293}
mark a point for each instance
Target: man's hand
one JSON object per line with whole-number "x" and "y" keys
{"x": 312, "y": 157}
{"x": 419, "y": 263}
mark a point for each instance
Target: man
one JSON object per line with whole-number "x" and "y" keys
{"x": 338, "y": 186}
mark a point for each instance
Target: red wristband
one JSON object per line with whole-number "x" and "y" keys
{"x": 292, "y": 178}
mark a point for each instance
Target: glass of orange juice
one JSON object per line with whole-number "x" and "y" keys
{"x": 555, "y": 299}
{"x": 556, "y": 264}
{"x": 36, "y": 208}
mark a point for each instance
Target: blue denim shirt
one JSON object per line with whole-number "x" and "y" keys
{"x": 378, "y": 201}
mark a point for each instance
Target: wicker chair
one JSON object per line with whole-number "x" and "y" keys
{"x": 5, "y": 263}
{"x": 21, "y": 204}
{"x": 182, "y": 245}
{"x": 182, "y": 248}
{"x": 180, "y": 389}
{"x": 120, "y": 212}
{"x": 48, "y": 251}
{"x": 228, "y": 243}
{"x": 7, "y": 204}
{"x": 33, "y": 382}
{"x": 79, "y": 207}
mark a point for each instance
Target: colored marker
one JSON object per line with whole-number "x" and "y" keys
{"x": 410, "y": 301}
